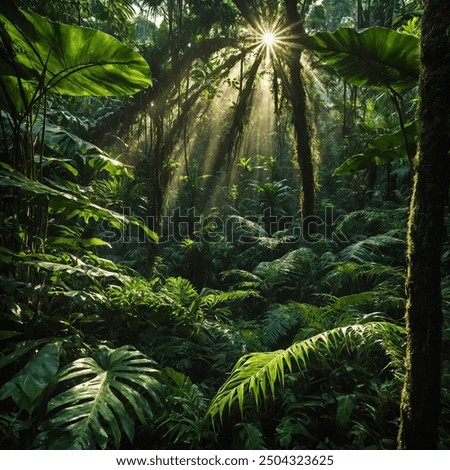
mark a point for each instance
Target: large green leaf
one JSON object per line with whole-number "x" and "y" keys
{"x": 112, "y": 389}
{"x": 74, "y": 60}
{"x": 21, "y": 348}
{"x": 345, "y": 406}
{"x": 27, "y": 385}
{"x": 15, "y": 93}
{"x": 374, "y": 57}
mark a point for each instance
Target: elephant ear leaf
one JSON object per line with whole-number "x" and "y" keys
{"x": 377, "y": 56}
{"x": 73, "y": 60}
{"x": 108, "y": 393}
{"x": 27, "y": 386}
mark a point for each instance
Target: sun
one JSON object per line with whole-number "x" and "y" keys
{"x": 269, "y": 38}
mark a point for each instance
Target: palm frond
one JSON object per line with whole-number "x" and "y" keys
{"x": 111, "y": 387}
{"x": 257, "y": 375}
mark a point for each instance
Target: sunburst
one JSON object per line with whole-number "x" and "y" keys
{"x": 269, "y": 38}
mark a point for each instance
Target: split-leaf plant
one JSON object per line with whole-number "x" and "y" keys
{"x": 52, "y": 279}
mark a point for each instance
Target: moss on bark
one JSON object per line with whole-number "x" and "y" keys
{"x": 420, "y": 403}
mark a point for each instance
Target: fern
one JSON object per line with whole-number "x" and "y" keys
{"x": 278, "y": 320}
{"x": 372, "y": 221}
{"x": 181, "y": 421}
{"x": 258, "y": 374}
{"x": 209, "y": 299}
{"x": 291, "y": 273}
{"x": 377, "y": 248}
{"x": 243, "y": 279}
{"x": 180, "y": 290}
{"x": 349, "y": 277}
{"x": 189, "y": 306}
{"x": 296, "y": 264}
{"x": 99, "y": 408}
{"x": 245, "y": 230}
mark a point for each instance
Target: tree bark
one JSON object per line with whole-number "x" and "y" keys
{"x": 302, "y": 125}
{"x": 420, "y": 402}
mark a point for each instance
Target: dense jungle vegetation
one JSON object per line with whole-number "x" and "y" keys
{"x": 204, "y": 224}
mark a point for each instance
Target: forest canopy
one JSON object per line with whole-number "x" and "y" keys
{"x": 204, "y": 224}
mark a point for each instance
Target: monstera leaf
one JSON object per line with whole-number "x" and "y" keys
{"x": 374, "y": 57}
{"x": 68, "y": 59}
{"x": 111, "y": 391}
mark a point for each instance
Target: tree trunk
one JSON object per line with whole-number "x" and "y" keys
{"x": 420, "y": 403}
{"x": 302, "y": 125}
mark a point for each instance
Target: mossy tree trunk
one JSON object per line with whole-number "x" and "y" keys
{"x": 303, "y": 132}
{"x": 420, "y": 402}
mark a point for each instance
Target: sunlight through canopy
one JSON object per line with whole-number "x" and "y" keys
{"x": 269, "y": 38}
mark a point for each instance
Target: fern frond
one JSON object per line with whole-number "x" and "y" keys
{"x": 180, "y": 290}
{"x": 110, "y": 390}
{"x": 353, "y": 277}
{"x": 292, "y": 272}
{"x": 279, "y": 319}
{"x": 242, "y": 279}
{"x": 181, "y": 421}
{"x": 211, "y": 298}
{"x": 373, "y": 221}
{"x": 376, "y": 248}
{"x": 294, "y": 265}
{"x": 347, "y": 306}
{"x": 257, "y": 375}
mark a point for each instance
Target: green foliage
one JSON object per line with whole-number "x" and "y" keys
{"x": 384, "y": 149}
{"x": 111, "y": 388}
{"x": 279, "y": 320}
{"x": 373, "y": 221}
{"x": 71, "y": 60}
{"x": 82, "y": 155}
{"x": 27, "y": 386}
{"x": 291, "y": 274}
{"x": 257, "y": 375}
{"x": 287, "y": 343}
{"x": 181, "y": 423}
{"x": 374, "y": 57}
{"x": 68, "y": 201}
{"x": 376, "y": 248}
{"x": 249, "y": 436}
